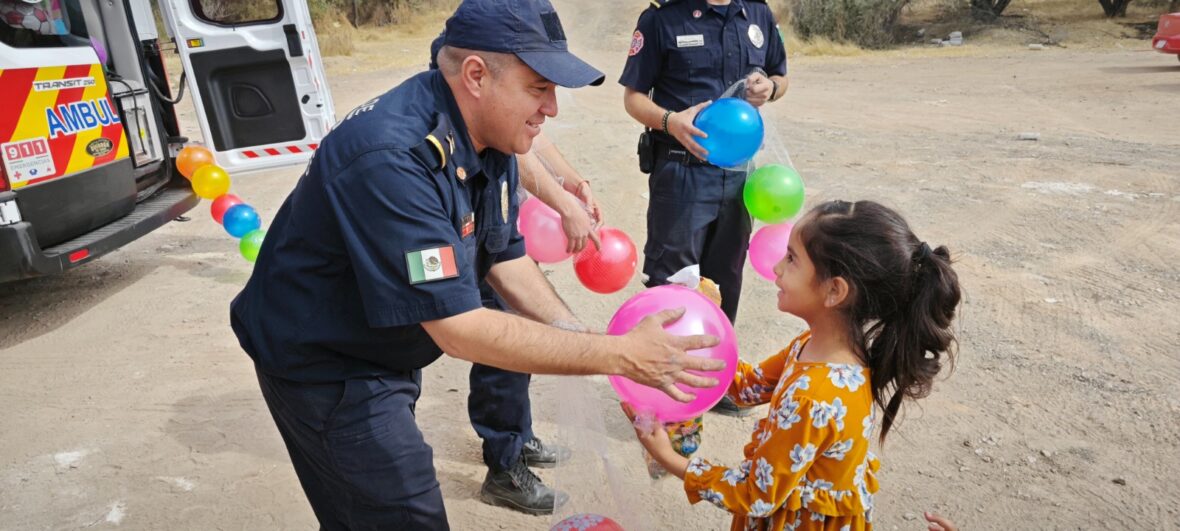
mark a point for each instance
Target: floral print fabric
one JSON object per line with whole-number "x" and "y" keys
{"x": 808, "y": 464}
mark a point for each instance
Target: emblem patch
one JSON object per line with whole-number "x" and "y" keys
{"x": 431, "y": 264}
{"x": 636, "y": 43}
{"x": 756, "y": 36}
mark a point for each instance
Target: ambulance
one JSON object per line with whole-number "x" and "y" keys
{"x": 89, "y": 127}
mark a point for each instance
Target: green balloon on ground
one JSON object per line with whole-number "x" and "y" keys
{"x": 774, "y": 193}
{"x": 251, "y": 243}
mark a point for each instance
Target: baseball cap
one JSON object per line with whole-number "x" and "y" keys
{"x": 528, "y": 29}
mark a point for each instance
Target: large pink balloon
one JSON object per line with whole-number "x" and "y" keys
{"x": 701, "y": 316}
{"x": 544, "y": 239}
{"x": 767, "y": 247}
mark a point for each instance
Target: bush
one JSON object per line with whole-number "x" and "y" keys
{"x": 868, "y": 23}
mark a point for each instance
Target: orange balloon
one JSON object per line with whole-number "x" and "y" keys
{"x": 191, "y": 159}
{"x": 210, "y": 181}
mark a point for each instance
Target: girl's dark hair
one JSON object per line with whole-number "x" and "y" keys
{"x": 902, "y": 296}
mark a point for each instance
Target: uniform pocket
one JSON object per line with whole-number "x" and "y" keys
{"x": 691, "y": 60}
{"x": 377, "y": 449}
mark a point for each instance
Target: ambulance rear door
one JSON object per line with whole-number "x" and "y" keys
{"x": 256, "y": 78}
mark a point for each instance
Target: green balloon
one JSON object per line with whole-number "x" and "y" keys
{"x": 774, "y": 193}
{"x": 251, "y": 243}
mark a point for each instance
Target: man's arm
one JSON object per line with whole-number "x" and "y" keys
{"x": 680, "y": 126}
{"x": 527, "y": 291}
{"x": 647, "y": 354}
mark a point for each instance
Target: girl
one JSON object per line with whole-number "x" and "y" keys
{"x": 878, "y": 303}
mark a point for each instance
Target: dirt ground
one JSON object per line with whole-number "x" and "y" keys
{"x": 127, "y": 402}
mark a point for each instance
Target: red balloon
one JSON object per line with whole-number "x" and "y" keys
{"x": 587, "y": 522}
{"x": 610, "y": 268}
{"x": 221, "y": 204}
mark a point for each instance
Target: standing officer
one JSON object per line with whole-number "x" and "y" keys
{"x": 684, "y": 54}
{"x": 371, "y": 269}
{"x": 498, "y": 403}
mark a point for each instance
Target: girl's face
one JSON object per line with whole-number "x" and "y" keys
{"x": 800, "y": 292}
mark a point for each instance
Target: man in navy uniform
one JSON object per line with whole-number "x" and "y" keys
{"x": 371, "y": 270}
{"x": 683, "y": 55}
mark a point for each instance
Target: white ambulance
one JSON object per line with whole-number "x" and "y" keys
{"x": 88, "y": 121}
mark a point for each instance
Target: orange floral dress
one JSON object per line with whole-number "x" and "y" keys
{"x": 808, "y": 464}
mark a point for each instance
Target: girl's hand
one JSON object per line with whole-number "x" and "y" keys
{"x": 583, "y": 193}
{"x": 651, "y": 435}
{"x": 938, "y": 523}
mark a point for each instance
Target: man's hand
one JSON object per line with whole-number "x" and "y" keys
{"x": 577, "y": 224}
{"x": 758, "y": 89}
{"x": 658, "y": 359}
{"x": 681, "y": 128}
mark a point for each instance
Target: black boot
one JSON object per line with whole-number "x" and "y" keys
{"x": 729, "y": 408}
{"x": 518, "y": 488}
{"x": 541, "y": 455}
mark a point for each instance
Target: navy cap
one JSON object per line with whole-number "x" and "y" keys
{"x": 528, "y": 29}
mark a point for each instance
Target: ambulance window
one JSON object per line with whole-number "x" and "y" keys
{"x": 41, "y": 24}
{"x": 238, "y": 12}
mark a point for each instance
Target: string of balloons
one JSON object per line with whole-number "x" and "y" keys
{"x": 212, "y": 182}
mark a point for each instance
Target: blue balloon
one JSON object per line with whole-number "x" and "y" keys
{"x": 239, "y": 220}
{"x": 735, "y": 131}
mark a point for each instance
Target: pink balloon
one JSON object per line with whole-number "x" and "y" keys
{"x": 701, "y": 316}
{"x": 767, "y": 247}
{"x": 544, "y": 239}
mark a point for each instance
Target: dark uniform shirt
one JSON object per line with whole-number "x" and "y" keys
{"x": 686, "y": 52}
{"x": 338, "y": 290}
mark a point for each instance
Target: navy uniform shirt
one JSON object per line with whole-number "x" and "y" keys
{"x": 686, "y": 52}
{"x": 395, "y": 222}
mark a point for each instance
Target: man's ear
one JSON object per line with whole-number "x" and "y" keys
{"x": 837, "y": 292}
{"x": 473, "y": 71}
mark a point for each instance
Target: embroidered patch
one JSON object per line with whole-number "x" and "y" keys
{"x": 756, "y": 36}
{"x": 432, "y": 264}
{"x": 636, "y": 43}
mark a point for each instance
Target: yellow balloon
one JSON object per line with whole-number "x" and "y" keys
{"x": 210, "y": 181}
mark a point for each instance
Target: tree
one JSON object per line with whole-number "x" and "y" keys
{"x": 990, "y": 7}
{"x": 1115, "y": 8}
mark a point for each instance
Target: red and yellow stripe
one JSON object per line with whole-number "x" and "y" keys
{"x": 24, "y": 117}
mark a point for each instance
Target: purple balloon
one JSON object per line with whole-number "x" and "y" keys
{"x": 701, "y": 316}
{"x": 544, "y": 239}
{"x": 767, "y": 247}
{"x": 99, "y": 49}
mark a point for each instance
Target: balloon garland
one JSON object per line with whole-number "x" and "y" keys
{"x": 212, "y": 182}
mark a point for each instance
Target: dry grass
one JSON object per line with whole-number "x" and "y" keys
{"x": 1065, "y": 23}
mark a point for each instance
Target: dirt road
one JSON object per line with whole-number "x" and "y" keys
{"x": 128, "y": 404}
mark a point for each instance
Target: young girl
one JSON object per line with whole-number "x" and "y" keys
{"x": 878, "y": 303}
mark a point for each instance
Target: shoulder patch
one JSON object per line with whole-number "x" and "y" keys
{"x": 636, "y": 43}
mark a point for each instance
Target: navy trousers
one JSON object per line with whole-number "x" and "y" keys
{"x": 360, "y": 458}
{"x": 696, "y": 215}
{"x": 498, "y": 404}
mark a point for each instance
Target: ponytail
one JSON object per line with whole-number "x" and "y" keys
{"x": 902, "y": 297}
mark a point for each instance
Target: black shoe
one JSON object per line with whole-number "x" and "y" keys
{"x": 520, "y": 489}
{"x": 729, "y": 408}
{"x": 541, "y": 455}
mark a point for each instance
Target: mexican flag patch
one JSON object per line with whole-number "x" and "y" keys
{"x": 432, "y": 264}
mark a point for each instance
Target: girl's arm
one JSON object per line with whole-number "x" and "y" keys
{"x": 754, "y": 384}
{"x": 763, "y": 483}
